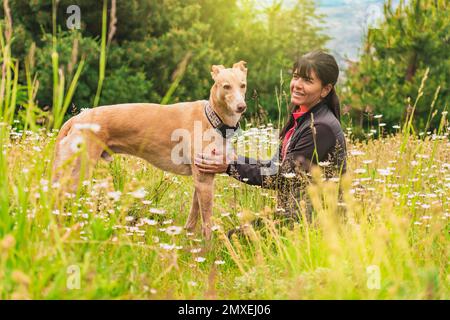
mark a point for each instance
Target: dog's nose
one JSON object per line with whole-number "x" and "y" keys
{"x": 241, "y": 107}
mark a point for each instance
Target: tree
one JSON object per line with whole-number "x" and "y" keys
{"x": 412, "y": 38}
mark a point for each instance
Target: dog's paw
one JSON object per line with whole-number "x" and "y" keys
{"x": 190, "y": 226}
{"x": 207, "y": 232}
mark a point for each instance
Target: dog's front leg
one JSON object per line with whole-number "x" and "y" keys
{"x": 204, "y": 187}
{"x": 193, "y": 214}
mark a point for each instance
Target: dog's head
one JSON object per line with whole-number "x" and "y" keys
{"x": 230, "y": 86}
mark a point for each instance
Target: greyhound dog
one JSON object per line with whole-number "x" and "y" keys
{"x": 152, "y": 132}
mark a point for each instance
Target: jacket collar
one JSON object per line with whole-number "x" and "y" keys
{"x": 225, "y": 130}
{"x": 314, "y": 110}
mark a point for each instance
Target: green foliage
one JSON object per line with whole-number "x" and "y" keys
{"x": 412, "y": 38}
{"x": 87, "y": 48}
{"x": 165, "y": 49}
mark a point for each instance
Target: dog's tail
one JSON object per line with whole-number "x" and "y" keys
{"x": 63, "y": 132}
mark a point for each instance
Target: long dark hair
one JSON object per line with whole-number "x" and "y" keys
{"x": 326, "y": 68}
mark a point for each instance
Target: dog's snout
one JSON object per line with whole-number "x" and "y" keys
{"x": 241, "y": 107}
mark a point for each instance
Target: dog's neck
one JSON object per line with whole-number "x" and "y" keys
{"x": 228, "y": 118}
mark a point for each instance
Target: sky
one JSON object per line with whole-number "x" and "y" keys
{"x": 346, "y": 22}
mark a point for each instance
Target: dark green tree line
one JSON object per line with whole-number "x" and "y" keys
{"x": 158, "y": 42}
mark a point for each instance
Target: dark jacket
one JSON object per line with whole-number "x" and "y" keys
{"x": 323, "y": 141}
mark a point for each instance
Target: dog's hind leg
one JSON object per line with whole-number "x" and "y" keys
{"x": 193, "y": 214}
{"x": 76, "y": 158}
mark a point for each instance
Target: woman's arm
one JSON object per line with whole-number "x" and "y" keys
{"x": 311, "y": 148}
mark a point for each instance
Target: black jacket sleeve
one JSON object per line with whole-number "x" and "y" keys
{"x": 312, "y": 147}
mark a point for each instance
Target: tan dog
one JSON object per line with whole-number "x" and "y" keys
{"x": 153, "y": 132}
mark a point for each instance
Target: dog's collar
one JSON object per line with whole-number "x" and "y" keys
{"x": 225, "y": 130}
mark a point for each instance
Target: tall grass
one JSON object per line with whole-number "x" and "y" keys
{"x": 102, "y": 65}
{"x": 124, "y": 233}
{"x": 61, "y": 100}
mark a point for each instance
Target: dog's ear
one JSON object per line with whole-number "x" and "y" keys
{"x": 241, "y": 66}
{"x": 215, "y": 70}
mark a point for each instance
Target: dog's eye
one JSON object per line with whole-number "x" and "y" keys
{"x": 227, "y": 87}
{"x": 243, "y": 86}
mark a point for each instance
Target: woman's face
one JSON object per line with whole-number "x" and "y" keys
{"x": 307, "y": 91}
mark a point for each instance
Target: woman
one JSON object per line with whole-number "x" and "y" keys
{"x": 312, "y": 135}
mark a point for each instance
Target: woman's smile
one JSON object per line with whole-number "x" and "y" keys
{"x": 305, "y": 90}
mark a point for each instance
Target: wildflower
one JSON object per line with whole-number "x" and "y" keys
{"x": 356, "y": 153}
{"x": 200, "y": 259}
{"x": 225, "y": 214}
{"x": 382, "y": 124}
{"x": 173, "y": 230}
{"x": 384, "y": 172}
{"x": 324, "y": 164}
{"x": 219, "y": 262}
{"x": 76, "y": 143}
{"x": 115, "y": 195}
{"x": 192, "y": 283}
{"x": 425, "y": 217}
{"x": 168, "y": 221}
{"x": 196, "y": 250}
{"x": 56, "y": 185}
{"x": 367, "y": 161}
{"x": 289, "y": 175}
{"x": 215, "y": 228}
{"x": 129, "y": 218}
{"x": 378, "y": 116}
{"x": 148, "y": 221}
{"x": 360, "y": 171}
{"x": 100, "y": 185}
{"x": 139, "y": 194}
{"x": 157, "y": 211}
{"x": 396, "y": 126}
{"x": 167, "y": 246}
{"x": 94, "y": 127}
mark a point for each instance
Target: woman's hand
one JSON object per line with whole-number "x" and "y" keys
{"x": 217, "y": 162}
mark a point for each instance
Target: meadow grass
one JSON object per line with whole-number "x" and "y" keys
{"x": 121, "y": 236}
{"x": 122, "y": 233}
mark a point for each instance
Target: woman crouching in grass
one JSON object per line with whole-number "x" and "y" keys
{"x": 312, "y": 135}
